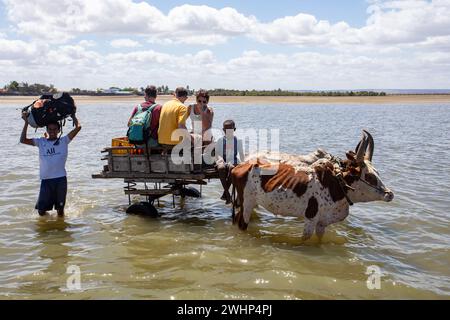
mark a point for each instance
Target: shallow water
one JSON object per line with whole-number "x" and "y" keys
{"x": 194, "y": 252}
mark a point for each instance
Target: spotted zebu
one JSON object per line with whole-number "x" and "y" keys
{"x": 319, "y": 188}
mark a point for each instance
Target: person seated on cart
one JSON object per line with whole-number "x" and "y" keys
{"x": 201, "y": 116}
{"x": 173, "y": 116}
{"x": 150, "y": 94}
{"x": 229, "y": 152}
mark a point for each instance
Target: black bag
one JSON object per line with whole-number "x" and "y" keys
{"x": 52, "y": 108}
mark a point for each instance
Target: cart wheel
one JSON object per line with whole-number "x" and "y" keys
{"x": 190, "y": 192}
{"x": 143, "y": 208}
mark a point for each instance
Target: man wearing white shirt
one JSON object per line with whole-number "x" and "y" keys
{"x": 53, "y": 152}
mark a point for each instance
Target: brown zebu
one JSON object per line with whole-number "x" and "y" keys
{"x": 321, "y": 192}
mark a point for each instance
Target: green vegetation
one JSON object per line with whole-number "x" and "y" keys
{"x": 77, "y": 91}
{"x": 16, "y": 88}
{"x": 163, "y": 90}
{"x": 284, "y": 93}
{"x": 25, "y": 89}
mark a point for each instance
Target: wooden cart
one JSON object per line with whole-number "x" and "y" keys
{"x": 152, "y": 174}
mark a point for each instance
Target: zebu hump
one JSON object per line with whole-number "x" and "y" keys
{"x": 286, "y": 177}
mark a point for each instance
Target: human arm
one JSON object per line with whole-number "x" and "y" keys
{"x": 191, "y": 126}
{"x": 23, "y": 137}
{"x": 182, "y": 117}
{"x": 77, "y": 129}
{"x": 132, "y": 115}
{"x": 241, "y": 151}
{"x": 210, "y": 118}
{"x": 218, "y": 151}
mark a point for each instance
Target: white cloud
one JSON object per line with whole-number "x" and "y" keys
{"x": 73, "y": 55}
{"x": 184, "y": 24}
{"x": 141, "y": 58}
{"x": 403, "y": 44}
{"x": 77, "y": 17}
{"x": 203, "y": 40}
{"x": 204, "y": 57}
{"x": 389, "y": 23}
{"x": 399, "y": 22}
{"x": 207, "y": 20}
{"x": 436, "y": 58}
{"x": 17, "y": 50}
{"x": 87, "y": 68}
{"x": 87, "y": 43}
{"x": 125, "y": 43}
{"x": 305, "y": 29}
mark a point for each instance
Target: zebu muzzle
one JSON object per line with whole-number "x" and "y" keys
{"x": 388, "y": 196}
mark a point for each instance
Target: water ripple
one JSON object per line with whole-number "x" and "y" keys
{"x": 194, "y": 252}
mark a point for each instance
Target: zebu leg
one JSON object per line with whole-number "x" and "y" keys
{"x": 308, "y": 229}
{"x": 320, "y": 230}
{"x": 336, "y": 215}
{"x": 237, "y": 204}
{"x": 242, "y": 202}
{"x": 247, "y": 206}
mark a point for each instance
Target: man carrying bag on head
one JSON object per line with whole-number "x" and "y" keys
{"x": 53, "y": 151}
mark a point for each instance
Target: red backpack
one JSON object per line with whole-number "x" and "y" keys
{"x": 154, "y": 122}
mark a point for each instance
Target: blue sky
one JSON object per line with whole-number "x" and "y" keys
{"x": 352, "y": 11}
{"x": 302, "y": 44}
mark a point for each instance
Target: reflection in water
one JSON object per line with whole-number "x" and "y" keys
{"x": 54, "y": 236}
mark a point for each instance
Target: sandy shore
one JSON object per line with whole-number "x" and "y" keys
{"x": 390, "y": 99}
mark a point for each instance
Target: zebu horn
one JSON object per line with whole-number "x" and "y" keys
{"x": 357, "y": 146}
{"x": 371, "y": 146}
{"x": 361, "y": 150}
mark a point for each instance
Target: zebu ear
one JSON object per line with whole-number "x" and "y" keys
{"x": 355, "y": 170}
{"x": 357, "y": 146}
{"x": 351, "y": 155}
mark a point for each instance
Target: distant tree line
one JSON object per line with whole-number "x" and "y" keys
{"x": 16, "y": 88}
{"x": 284, "y": 93}
{"x": 25, "y": 89}
{"x": 164, "y": 89}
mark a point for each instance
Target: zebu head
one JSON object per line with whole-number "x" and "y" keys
{"x": 362, "y": 176}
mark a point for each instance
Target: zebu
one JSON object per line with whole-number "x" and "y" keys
{"x": 318, "y": 187}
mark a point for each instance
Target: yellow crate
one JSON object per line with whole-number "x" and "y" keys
{"x": 121, "y": 142}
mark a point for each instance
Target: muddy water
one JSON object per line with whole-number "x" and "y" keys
{"x": 194, "y": 252}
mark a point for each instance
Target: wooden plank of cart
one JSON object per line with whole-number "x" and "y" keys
{"x": 152, "y": 174}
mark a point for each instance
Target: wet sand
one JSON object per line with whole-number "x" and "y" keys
{"x": 390, "y": 99}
